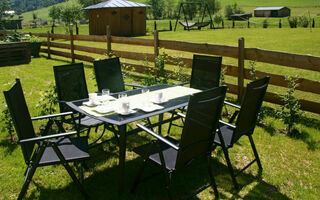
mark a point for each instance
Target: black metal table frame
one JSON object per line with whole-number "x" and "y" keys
{"x": 171, "y": 105}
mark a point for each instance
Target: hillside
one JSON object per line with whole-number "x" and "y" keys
{"x": 21, "y": 6}
{"x": 298, "y": 7}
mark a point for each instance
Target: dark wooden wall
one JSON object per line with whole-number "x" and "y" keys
{"x": 122, "y": 21}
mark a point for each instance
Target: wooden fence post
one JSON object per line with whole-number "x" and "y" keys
{"x": 72, "y": 46}
{"x": 109, "y": 40}
{"x": 156, "y": 46}
{"x": 240, "y": 67}
{"x": 48, "y": 44}
{"x": 155, "y": 25}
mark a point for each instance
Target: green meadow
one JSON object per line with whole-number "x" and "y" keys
{"x": 290, "y": 162}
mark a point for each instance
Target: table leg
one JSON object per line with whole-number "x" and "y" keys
{"x": 160, "y": 125}
{"x": 122, "y": 156}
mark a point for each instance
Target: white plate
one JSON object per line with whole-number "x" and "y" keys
{"x": 89, "y": 104}
{"x": 105, "y": 98}
{"x": 163, "y": 100}
{"x": 120, "y": 112}
{"x": 150, "y": 107}
{"x": 104, "y": 109}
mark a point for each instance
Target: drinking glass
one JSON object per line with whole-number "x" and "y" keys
{"x": 122, "y": 95}
{"x": 105, "y": 92}
{"x": 144, "y": 90}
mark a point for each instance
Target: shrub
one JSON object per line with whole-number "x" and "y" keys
{"x": 290, "y": 111}
{"x": 293, "y": 22}
{"x": 265, "y": 23}
{"x": 303, "y": 21}
{"x": 158, "y": 74}
{"x": 218, "y": 18}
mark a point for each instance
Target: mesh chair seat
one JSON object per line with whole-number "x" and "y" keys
{"x": 71, "y": 148}
{"x": 227, "y": 133}
{"x": 169, "y": 154}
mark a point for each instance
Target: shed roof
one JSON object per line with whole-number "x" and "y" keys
{"x": 116, "y": 4}
{"x": 269, "y": 8}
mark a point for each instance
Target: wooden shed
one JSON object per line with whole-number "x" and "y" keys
{"x": 272, "y": 12}
{"x": 241, "y": 17}
{"x": 124, "y": 17}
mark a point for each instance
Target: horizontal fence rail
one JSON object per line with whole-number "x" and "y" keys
{"x": 297, "y": 61}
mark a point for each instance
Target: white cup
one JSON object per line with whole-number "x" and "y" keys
{"x": 92, "y": 98}
{"x": 125, "y": 106}
{"x": 159, "y": 96}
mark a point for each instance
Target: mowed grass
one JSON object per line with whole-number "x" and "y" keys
{"x": 299, "y": 41}
{"x": 290, "y": 163}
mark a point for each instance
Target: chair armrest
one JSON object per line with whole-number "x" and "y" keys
{"x": 134, "y": 85}
{"x": 231, "y": 104}
{"x": 38, "y": 139}
{"x": 158, "y": 137}
{"x": 51, "y": 116}
{"x": 226, "y": 123}
{"x": 182, "y": 83}
{"x": 181, "y": 114}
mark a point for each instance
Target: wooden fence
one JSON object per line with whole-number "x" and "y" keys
{"x": 295, "y": 61}
{"x": 14, "y": 53}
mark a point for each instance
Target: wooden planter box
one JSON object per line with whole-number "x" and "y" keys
{"x": 14, "y": 53}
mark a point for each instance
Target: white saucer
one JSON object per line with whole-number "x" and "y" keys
{"x": 104, "y": 109}
{"x": 121, "y": 112}
{"x": 89, "y": 104}
{"x": 163, "y": 100}
{"x": 150, "y": 107}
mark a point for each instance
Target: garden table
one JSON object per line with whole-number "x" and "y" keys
{"x": 176, "y": 96}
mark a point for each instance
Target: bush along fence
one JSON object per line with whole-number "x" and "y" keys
{"x": 296, "y": 61}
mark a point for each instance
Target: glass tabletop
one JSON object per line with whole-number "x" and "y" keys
{"x": 118, "y": 119}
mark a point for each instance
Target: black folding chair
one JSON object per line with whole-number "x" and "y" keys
{"x": 205, "y": 74}
{"x": 109, "y": 75}
{"x": 196, "y": 140}
{"x": 43, "y": 150}
{"x": 71, "y": 85}
{"x": 229, "y": 134}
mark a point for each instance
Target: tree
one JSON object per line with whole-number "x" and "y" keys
{"x": 157, "y": 8}
{"x": 54, "y": 13}
{"x": 214, "y": 5}
{"x": 34, "y": 17}
{"x": 71, "y": 13}
{"x": 4, "y": 5}
{"x": 232, "y": 9}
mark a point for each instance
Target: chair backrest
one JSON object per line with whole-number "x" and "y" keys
{"x": 206, "y": 72}
{"x": 109, "y": 75}
{"x": 70, "y": 83}
{"x": 21, "y": 117}
{"x": 202, "y": 119}
{"x": 250, "y": 107}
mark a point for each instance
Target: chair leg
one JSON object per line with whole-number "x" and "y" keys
{"x": 168, "y": 182}
{"x": 226, "y": 154}
{"x": 170, "y": 124}
{"x": 137, "y": 179}
{"x": 69, "y": 170}
{"x": 212, "y": 180}
{"x": 255, "y": 152}
{"x": 29, "y": 174}
{"x": 31, "y": 170}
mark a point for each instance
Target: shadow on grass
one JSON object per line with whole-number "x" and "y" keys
{"x": 8, "y": 146}
{"x": 305, "y": 137}
{"x": 103, "y": 183}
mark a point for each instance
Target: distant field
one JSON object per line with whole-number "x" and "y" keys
{"x": 298, "y": 7}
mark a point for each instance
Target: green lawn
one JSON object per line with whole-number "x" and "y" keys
{"x": 291, "y": 163}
